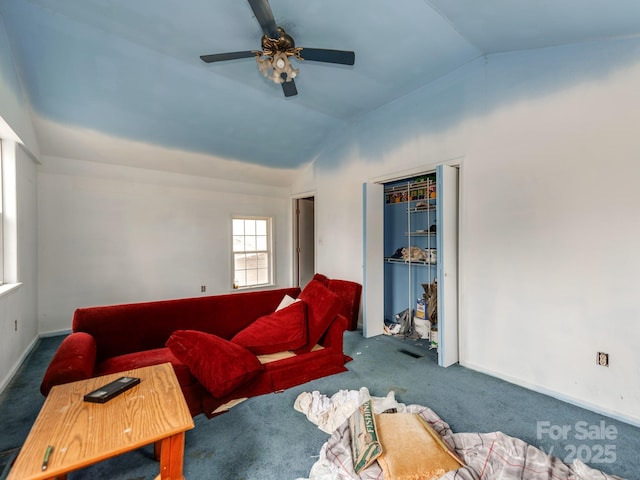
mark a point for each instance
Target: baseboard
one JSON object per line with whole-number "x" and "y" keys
{"x": 55, "y": 333}
{"x": 554, "y": 394}
{"x": 18, "y": 364}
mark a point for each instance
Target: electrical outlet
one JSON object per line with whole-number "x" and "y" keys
{"x": 602, "y": 359}
{"x": 203, "y": 288}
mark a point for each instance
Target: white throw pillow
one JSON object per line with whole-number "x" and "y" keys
{"x": 286, "y": 301}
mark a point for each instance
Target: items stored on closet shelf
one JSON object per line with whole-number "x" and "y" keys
{"x": 420, "y": 188}
{"x": 416, "y": 254}
{"x": 421, "y": 325}
{"x": 431, "y": 311}
{"x": 420, "y": 308}
{"x": 431, "y": 300}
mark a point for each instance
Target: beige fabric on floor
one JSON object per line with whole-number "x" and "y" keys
{"x": 230, "y": 404}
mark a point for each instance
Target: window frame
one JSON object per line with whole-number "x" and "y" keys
{"x": 2, "y": 213}
{"x": 236, "y": 283}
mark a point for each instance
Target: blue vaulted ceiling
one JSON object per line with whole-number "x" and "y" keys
{"x": 131, "y": 69}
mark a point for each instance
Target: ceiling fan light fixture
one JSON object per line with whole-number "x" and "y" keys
{"x": 277, "y": 67}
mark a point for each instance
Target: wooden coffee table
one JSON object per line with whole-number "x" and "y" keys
{"x": 83, "y": 433}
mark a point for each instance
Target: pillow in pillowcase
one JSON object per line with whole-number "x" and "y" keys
{"x": 282, "y": 330}
{"x": 219, "y": 365}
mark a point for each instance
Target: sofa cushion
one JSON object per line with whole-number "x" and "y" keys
{"x": 146, "y": 358}
{"x": 322, "y": 307}
{"x": 219, "y": 365}
{"x": 285, "y": 329}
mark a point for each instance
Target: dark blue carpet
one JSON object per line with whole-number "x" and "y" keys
{"x": 265, "y": 438}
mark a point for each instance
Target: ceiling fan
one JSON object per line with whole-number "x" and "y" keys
{"x": 277, "y": 47}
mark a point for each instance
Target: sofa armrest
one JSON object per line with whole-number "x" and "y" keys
{"x": 350, "y": 293}
{"x": 333, "y": 337}
{"x": 74, "y": 360}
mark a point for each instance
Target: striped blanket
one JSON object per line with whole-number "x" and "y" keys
{"x": 487, "y": 456}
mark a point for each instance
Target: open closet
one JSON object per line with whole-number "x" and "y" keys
{"x": 411, "y": 251}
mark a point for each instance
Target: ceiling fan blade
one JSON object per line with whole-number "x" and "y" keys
{"x": 289, "y": 89}
{"x": 219, "y": 57}
{"x": 264, "y": 15}
{"x": 342, "y": 57}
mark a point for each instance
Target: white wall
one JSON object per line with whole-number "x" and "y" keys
{"x": 551, "y": 187}
{"x": 19, "y": 304}
{"x": 550, "y": 179}
{"x": 112, "y": 234}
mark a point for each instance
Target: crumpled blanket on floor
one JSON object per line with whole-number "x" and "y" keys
{"x": 329, "y": 413}
{"x": 488, "y": 456}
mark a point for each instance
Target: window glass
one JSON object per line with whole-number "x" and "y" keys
{"x": 252, "y": 256}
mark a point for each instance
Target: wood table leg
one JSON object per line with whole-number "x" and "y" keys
{"x": 172, "y": 457}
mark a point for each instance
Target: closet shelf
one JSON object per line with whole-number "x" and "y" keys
{"x": 408, "y": 262}
{"x": 426, "y": 208}
{"x": 411, "y": 186}
{"x": 420, "y": 234}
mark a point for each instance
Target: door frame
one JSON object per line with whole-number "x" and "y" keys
{"x": 295, "y": 236}
{"x": 375, "y": 290}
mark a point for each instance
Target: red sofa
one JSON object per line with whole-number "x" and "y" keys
{"x": 223, "y": 348}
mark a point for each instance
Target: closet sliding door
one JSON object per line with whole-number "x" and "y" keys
{"x": 373, "y": 261}
{"x": 447, "y": 245}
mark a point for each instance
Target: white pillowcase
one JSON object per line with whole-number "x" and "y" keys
{"x": 286, "y": 301}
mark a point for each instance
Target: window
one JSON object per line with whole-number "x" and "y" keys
{"x": 9, "y": 150}
{"x": 252, "y": 255}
